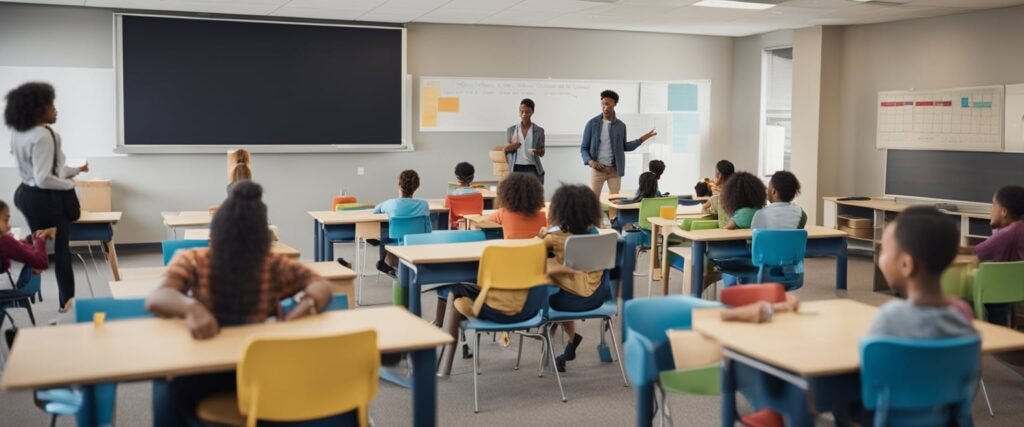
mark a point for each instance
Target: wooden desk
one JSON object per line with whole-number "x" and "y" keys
{"x": 660, "y": 232}
{"x": 204, "y": 234}
{"x": 137, "y": 273}
{"x": 820, "y": 242}
{"x": 145, "y": 280}
{"x": 98, "y": 227}
{"x": 881, "y": 211}
{"x": 185, "y": 219}
{"x": 142, "y": 349}
{"x": 816, "y": 351}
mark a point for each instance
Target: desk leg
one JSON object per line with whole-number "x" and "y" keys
{"x": 406, "y": 280}
{"x": 665, "y": 233}
{"x": 645, "y": 405}
{"x": 697, "y": 268}
{"x": 87, "y": 416}
{"x": 424, "y": 388}
{"x": 841, "y": 265}
{"x": 316, "y": 240}
{"x": 112, "y": 258}
{"x": 728, "y": 388}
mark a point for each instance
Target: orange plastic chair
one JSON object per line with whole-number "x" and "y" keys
{"x": 461, "y": 205}
{"x": 740, "y": 295}
{"x": 340, "y": 200}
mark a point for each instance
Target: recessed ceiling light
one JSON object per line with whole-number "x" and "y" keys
{"x": 730, "y": 4}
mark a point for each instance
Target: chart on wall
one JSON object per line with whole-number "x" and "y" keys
{"x": 969, "y": 119}
{"x": 458, "y": 104}
{"x": 684, "y": 107}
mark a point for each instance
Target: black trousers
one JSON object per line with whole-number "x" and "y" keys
{"x": 44, "y": 209}
{"x": 531, "y": 169}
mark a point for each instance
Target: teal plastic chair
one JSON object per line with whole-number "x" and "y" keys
{"x": 997, "y": 283}
{"x": 26, "y": 287}
{"x": 919, "y": 382}
{"x": 398, "y": 228}
{"x": 171, "y": 247}
{"x": 593, "y": 252}
{"x": 649, "y": 361}
{"x": 70, "y": 401}
{"x": 777, "y": 256}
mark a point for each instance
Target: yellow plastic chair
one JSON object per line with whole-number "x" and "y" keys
{"x": 512, "y": 266}
{"x": 338, "y": 375}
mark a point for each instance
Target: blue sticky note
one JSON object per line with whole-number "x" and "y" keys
{"x": 683, "y": 126}
{"x": 682, "y": 97}
{"x": 965, "y": 102}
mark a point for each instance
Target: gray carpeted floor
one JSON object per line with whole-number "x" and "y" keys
{"x": 595, "y": 390}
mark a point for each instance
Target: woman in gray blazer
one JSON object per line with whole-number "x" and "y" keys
{"x": 525, "y": 143}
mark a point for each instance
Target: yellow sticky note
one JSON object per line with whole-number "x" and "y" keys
{"x": 428, "y": 105}
{"x": 448, "y": 104}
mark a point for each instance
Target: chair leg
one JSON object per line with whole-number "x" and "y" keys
{"x": 519, "y": 354}
{"x": 85, "y": 267}
{"x": 618, "y": 356}
{"x": 988, "y": 403}
{"x": 558, "y": 377}
{"x": 31, "y": 316}
{"x": 53, "y": 420}
{"x": 476, "y": 372}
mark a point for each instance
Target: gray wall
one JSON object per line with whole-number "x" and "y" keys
{"x": 145, "y": 185}
{"x": 746, "y": 95}
{"x": 975, "y": 49}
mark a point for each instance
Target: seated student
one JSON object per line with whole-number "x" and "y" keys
{"x": 1006, "y": 242}
{"x": 574, "y": 210}
{"x": 236, "y": 281}
{"x": 405, "y": 205}
{"x": 741, "y": 197}
{"x": 647, "y": 187}
{"x": 703, "y": 189}
{"x": 464, "y": 173}
{"x": 522, "y": 198}
{"x": 781, "y": 213}
{"x": 724, "y": 170}
{"x": 31, "y": 251}
{"x": 657, "y": 167}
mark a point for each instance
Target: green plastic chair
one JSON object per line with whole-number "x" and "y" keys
{"x": 998, "y": 283}
{"x": 651, "y": 206}
{"x": 955, "y": 282}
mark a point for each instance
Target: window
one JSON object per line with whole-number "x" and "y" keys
{"x": 776, "y": 110}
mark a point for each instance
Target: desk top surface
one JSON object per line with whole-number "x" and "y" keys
{"x": 140, "y": 349}
{"x": 890, "y": 205}
{"x": 98, "y": 217}
{"x": 140, "y": 282}
{"x": 822, "y": 339}
{"x": 719, "y": 234}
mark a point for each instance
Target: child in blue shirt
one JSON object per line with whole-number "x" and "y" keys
{"x": 464, "y": 173}
{"x": 408, "y": 183}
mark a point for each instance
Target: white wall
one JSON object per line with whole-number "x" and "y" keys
{"x": 973, "y": 49}
{"x": 145, "y": 185}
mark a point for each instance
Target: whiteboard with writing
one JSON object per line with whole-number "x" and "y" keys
{"x": 86, "y": 113}
{"x": 967, "y": 119}
{"x": 457, "y": 104}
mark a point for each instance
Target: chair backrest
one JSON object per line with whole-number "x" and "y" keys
{"x": 651, "y": 206}
{"x": 340, "y": 200}
{"x": 646, "y": 322}
{"x": 28, "y": 282}
{"x": 511, "y": 265}
{"x": 445, "y": 236}
{"x": 171, "y": 247}
{"x": 740, "y": 295}
{"x": 462, "y": 205}
{"x": 114, "y": 309}
{"x": 905, "y": 375}
{"x": 400, "y": 226}
{"x": 699, "y": 224}
{"x": 339, "y": 374}
{"x": 999, "y": 282}
{"x": 778, "y": 247}
{"x": 591, "y": 252}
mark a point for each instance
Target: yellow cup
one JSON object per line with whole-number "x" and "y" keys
{"x": 98, "y": 318}
{"x": 668, "y": 212}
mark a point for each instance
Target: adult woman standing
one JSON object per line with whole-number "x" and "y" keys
{"x": 525, "y": 143}
{"x": 46, "y": 196}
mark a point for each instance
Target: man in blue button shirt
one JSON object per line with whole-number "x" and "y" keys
{"x": 604, "y": 146}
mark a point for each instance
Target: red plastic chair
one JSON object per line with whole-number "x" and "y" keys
{"x": 461, "y": 205}
{"x": 339, "y": 200}
{"x": 740, "y": 295}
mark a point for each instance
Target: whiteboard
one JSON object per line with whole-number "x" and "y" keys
{"x": 1015, "y": 118}
{"x": 967, "y": 119}
{"x": 85, "y": 108}
{"x": 458, "y": 104}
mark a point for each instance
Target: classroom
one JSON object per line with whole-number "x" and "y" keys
{"x": 524, "y": 212}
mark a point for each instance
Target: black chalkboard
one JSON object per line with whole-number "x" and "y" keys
{"x": 968, "y": 176}
{"x": 195, "y": 82}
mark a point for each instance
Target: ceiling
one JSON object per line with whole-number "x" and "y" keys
{"x": 667, "y": 16}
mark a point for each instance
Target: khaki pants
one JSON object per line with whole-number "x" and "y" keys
{"x": 611, "y": 176}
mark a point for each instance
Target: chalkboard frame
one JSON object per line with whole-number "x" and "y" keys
{"x": 406, "y": 82}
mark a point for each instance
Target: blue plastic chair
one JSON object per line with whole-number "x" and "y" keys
{"x": 777, "y": 256}
{"x": 401, "y": 226}
{"x": 25, "y": 289}
{"x": 171, "y": 247}
{"x": 70, "y": 401}
{"x": 919, "y": 382}
{"x": 592, "y": 252}
{"x": 647, "y": 349}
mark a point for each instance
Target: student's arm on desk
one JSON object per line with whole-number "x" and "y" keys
{"x": 171, "y": 299}
{"x": 316, "y": 292}
{"x": 731, "y": 225}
